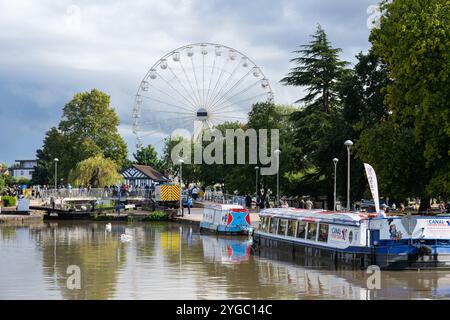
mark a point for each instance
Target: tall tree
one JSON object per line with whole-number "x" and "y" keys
{"x": 88, "y": 128}
{"x": 413, "y": 39}
{"x": 319, "y": 128}
{"x": 319, "y": 69}
{"x": 96, "y": 171}
{"x": 149, "y": 157}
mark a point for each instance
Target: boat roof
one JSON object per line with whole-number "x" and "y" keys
{"x": 315, "y": 215}
{"x": 224, "y": 206}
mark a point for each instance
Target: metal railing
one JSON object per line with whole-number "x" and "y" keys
{"x": 93, "y": 193}
{"x": 218, "y": 197}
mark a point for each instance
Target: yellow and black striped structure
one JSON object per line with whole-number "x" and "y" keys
{"x": 170, "y": 192}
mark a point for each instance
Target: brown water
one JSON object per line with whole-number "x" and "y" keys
{"x": 172, "y": 261}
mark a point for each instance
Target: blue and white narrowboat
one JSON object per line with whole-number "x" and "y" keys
{"x": 226, "y": 219}
{"x": 391, "y": 242}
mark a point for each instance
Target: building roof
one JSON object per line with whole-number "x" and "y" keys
{"x": 148, "y": 171}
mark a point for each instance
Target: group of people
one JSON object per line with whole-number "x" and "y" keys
{"x": 192, "y": 194}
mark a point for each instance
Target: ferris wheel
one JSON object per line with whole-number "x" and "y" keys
{"x": 196, "y": 87}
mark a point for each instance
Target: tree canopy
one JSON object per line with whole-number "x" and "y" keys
{"x": 88, "y": 128}
{"x": 96, "y": 171}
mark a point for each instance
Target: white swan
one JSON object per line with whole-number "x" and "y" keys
{"x": 108, "y": 227}
{"x": 125, "y": 237}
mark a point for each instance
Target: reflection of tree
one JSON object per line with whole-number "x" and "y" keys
{"x": 98, "y": 254}
{"x": 7, "y": 233}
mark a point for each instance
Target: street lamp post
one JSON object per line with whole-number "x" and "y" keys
{"x": 56, "y": 173}
{"x": 277, "y": 153}
{"x": 348, "y": 144}
{"x": 181, "y": 161}
{"x": 256, "y": 171}
{"x": 335, "y": 161}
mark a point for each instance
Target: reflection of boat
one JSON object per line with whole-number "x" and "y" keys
{"x": 226, "y": 219}
{"x": 355, "y": 239}
{"x": 315, "y": 277}
{"x": 226, "y": 250}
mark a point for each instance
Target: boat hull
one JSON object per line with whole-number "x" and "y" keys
{"x": 223, "y": 229}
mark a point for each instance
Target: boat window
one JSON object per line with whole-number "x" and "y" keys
{"x": 323, "y": 232}
{"x": 292, "y": 224}
{"x": 301, "y": 230}
{"x": 312, "y": 231}
{"x": 282, "y": 227}
{"x": 273, "y": 225}
{"x": 264, "y": 224}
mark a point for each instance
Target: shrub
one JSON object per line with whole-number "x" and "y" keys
{"x": 8, "y": 201}
{"x": 157, "y": 216}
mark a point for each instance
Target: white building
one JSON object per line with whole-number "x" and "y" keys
{"x": 23, "y": 169}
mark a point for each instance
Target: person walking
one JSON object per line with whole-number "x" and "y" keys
{"x": 194, "y": 192}
{"x": 189, "y": 204}
{"x": 248, "y": 202}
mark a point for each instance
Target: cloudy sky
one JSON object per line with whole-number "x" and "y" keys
{"x": 51, "y": 50}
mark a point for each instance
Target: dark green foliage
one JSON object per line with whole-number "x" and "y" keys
{"x": 9, "y": 201}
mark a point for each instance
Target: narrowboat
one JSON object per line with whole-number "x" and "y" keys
{"x": 226, "y": 219}
{"x": 357, "y": 239}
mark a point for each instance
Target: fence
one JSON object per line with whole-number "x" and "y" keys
{"x": 224, "y": 198}
{"x": 92, "y": 193}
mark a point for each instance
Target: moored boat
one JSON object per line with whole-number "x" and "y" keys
{"x": 226, "y": 219}
{"x": 408, "y": 242}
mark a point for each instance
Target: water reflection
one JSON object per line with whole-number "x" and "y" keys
{"x": 226, "y": 249}
{"x": 172, "y": 261}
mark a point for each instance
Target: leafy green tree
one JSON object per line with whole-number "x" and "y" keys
{"x": 413, "y": 40}
{"x": 149, "y": 157}
{"x": 319, "y": 70}
{"x": 191, "y": 172}
{"x": 398, "y": 161}
{"x": 96, "y": 171}
{"x": 318, "y": 128}
{"x": 362, "y": 92}
{"x": 88, "y": 128}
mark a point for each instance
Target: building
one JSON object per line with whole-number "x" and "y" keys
{"x": 23, "y": 169}
{"x": 142, "y": 176}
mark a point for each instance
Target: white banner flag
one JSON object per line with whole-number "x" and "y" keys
{"x": 373, "y": 184}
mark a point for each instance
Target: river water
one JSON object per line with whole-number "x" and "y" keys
{"x": 174, "y": 261}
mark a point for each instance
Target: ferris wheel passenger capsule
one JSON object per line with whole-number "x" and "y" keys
{"x": 270, "y": 96}
{"x": 232, "y": 55}
{"x": 204, "y": 51}
{"x": 144, "y": 85}
{"x": 264, "y": 83}
{"x": 138, "y": 99}
{"x": 256, "y": 72}
{"x": 153, "y": 74}
{"x": 176, "y": 56}
{"x": 244, "y": 62}
{"x": 218, "y": 51}
{"x": 189, "y": 51}
{"x": 163, "y": 64}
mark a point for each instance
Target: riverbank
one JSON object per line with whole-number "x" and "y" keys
{"x": 18, "y": 219}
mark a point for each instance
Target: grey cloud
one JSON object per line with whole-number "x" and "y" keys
{"x": 44, "y": 60}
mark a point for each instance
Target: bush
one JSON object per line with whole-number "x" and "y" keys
{"x": 8, "y": 201}
{"x": 157, "y": 216}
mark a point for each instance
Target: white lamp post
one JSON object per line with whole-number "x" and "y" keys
{"x": 256, "y": 171}
{"x": 277, "y": 153}
{"x": 56, "y": 173}
{"x": 335, "y": 161}
{"x": 181, "y": 161}
{"x": 348, "y": 144}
